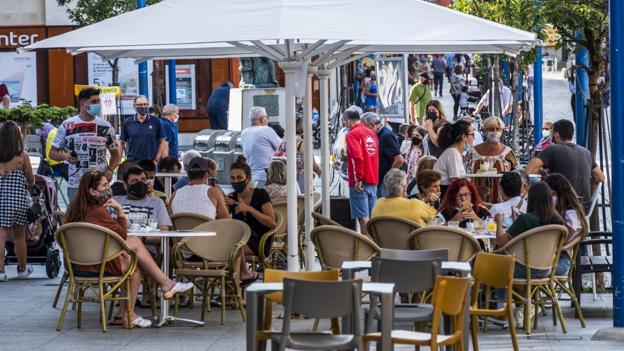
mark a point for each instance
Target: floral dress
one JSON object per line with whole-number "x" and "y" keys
{"x": 503, "y": 162}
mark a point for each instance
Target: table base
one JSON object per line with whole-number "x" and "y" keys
{"x": 171, "y": 319}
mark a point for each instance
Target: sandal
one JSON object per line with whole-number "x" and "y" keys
{"x": 246, "y": 282}
{"x": 117, "y": 321}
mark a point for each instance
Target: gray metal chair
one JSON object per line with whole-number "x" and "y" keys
{"x": 320, "y": 300}
{"x": 414, "y": 255}
{"x": 408, "y": 276}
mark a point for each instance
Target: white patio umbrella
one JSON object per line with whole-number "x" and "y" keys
{"x": 322, "y": 34}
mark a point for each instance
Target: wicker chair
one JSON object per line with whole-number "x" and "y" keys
{"x": 335, "y": 245}
{"x": 460, "y": 244}
{"x": 391, "y": 232}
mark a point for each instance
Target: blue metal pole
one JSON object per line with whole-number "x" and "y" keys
{"x": 505, "y": 70}
{"x": 582, "y": 94}
{"x": 173, "y": 99}
{"x": 143, "y": 79}
{"x": 538, "y": 104}
{"x": 520, "y": 81}
{"x": 617, "y": 157}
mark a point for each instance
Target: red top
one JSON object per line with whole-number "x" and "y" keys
{"x": 362, "y": 155}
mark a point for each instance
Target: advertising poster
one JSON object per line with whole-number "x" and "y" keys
{"x": 19, "y": 73}
{"x": 101, "y": 73}
{"x": 391, "y": 87}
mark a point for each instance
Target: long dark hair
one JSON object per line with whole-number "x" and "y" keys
{"x": 567, "y": 199}
{"x": 452, "y": 133}
{"x": 12, "y": 141}
{"x": 540, "y": 203}
{"x": 77, "y": 209}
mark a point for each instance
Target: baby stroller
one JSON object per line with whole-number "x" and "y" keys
{"x": 42, "y": 248}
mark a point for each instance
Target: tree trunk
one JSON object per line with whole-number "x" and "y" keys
{"x": 115, "y": 66}
{"x": 496, "y": 101}
{"x": 514, "y": 108}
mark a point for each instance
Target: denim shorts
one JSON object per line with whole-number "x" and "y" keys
{"x": 520, "y": 272}
{"x": 563, "y": 266}
{"x": 362, "y": 202}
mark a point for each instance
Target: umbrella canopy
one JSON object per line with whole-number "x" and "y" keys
{"x": 217, "y": 28}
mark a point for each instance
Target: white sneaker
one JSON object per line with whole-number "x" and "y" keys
{"x": 3, "y": 277}
{"x": 178, "y": 288}
{"x": 25, "y": 273}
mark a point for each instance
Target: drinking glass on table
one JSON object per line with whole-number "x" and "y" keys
{"x": 454, "y": 224}
{"x": 434, "y": 221}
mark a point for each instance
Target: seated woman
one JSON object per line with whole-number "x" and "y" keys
{"x": 200, "y": 196}
{"x": 425, "y": 163}
{"x": 462, "y": 203}
{"x": 492, "y": 155}
{"x": 92, "y": 205}
{"x": 455, "y": 139}
{"x": 428, "y": 183}
{"x": 397, "y": 205}
{"x": 252, "y": 206}
{"x": 540, "y": 211}
{"x": 276, "y": 180}
{"x": 569, "y": 207}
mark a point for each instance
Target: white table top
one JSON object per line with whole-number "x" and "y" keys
{"x": 450, "y": 265}
{"x": 378, "y": 288}
{"x": 171, "y": 233}
{"x": 495, "y": 175}
{"x": 170, "y": 175}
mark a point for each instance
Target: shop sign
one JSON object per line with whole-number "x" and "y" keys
{"x": 17, "y": 37}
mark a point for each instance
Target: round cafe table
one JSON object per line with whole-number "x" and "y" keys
{"x": 164, "y": 246}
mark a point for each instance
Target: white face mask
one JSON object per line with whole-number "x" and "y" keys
{"x": 546, "y": 133}
{"x": 177, "y": 117}
{"x": 493, "y": 137}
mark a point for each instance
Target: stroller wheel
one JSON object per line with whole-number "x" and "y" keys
{"x": 53, "y": 263}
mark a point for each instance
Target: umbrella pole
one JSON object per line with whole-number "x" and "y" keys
{"x": 308, "y": 167}
{"x": 291, "y": 70}
{"x": 323, "y": 76}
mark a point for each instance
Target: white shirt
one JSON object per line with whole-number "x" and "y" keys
{"x": 573, "y": 222}
{"x": 194, "y": 199}
{"x": 506, "y": 98}
{"x": 506, "y": 207}
{"x": 450, "y": 165}
{"x": 259, "y": 144}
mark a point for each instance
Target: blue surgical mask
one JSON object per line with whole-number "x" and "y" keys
{"x": 94, "y": 110}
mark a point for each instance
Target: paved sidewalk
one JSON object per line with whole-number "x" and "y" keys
{"x": 28, "y": 322}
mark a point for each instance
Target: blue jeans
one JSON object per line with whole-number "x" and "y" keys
{"x": 563, "y": 266}
{"x": 362, "y": 202}
{"x": 218, "y": 118}
{"x": 520, "y": 272}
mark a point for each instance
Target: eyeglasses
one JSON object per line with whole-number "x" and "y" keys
{"x": 463, "y": 195}
{"x": 546, "y": 128}
{"x": 470, "y": 134}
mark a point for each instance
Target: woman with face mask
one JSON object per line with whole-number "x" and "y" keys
{"x": 94, "y": 204}
{"x": 435, "y": 120}
{"x": 414, "y": 150}
{"x": 252, "y": 206}
{"x": 547, "y": 138}
{"x": 491, "y": 155}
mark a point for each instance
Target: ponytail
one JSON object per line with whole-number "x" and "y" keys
{"x": 452, "y": 133}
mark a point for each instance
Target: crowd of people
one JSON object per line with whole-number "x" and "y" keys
{"x": 427, "y": 180}
{"x": 421, "y": 174}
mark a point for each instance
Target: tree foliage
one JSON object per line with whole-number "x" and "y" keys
{"x": 520, "y": 14}
{"x": 87, "y": 12}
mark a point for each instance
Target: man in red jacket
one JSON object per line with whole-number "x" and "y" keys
{"x": 363, "y": 166}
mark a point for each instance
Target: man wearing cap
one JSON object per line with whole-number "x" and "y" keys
{"x": 260, "y": 142}
{"x": 419, "y": 97}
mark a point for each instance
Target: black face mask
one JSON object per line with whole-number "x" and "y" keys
{"x": 432, "y": 116}
{"x": 138, "y": 190}
{"x": 105, "y": 196}
{"x": 239, "y": 187}
{"x": 416, "y": 141}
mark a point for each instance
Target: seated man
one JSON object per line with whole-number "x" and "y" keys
{"x": 118, "y": 187}
{"x": 140, "y": 208}
{"x": 150, "y": 171}
{"x": 513, "y": 204}
{"x": 397, "y": 205}
{"x": 186, "y": 160}
{"x": 167, "y": 165}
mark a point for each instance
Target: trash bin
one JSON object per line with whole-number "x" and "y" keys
{"x": 223, "y": 154}
{"x": 204, "y": 142}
